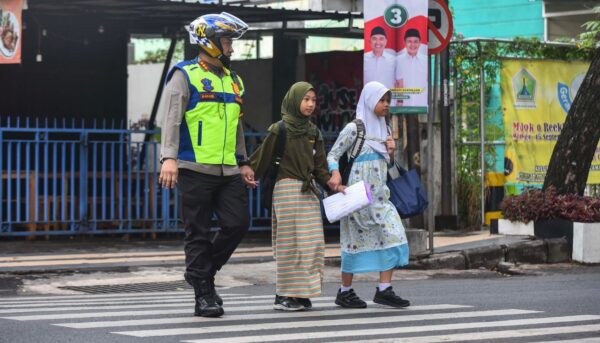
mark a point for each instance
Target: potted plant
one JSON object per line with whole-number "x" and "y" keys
{"x": 546, "y": 214}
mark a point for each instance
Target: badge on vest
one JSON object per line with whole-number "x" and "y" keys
{"x": 236, "y": 88}
{"x": 207, "y": 85}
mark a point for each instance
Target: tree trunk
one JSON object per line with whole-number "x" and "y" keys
{"x": 573, "y": 153}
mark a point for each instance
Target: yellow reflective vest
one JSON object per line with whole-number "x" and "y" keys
{"x": 208, "y": 130}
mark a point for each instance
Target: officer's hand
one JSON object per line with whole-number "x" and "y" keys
{"x": 248, "y": 176}
{"x": 168, "y": 173}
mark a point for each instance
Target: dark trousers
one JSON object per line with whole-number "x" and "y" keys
{"x": 201, "y": 196}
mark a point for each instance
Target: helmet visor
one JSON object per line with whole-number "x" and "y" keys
{"x": 239, "y": 26}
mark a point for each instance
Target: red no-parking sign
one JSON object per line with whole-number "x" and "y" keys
{"x": 440, "y": 26}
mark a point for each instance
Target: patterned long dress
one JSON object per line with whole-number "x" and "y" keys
{"x": 372, "y": 239}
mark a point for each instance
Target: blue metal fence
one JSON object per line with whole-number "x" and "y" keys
{"x": 64, "y": 177}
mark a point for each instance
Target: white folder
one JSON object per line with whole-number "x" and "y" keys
{"x": 339, "y": 205}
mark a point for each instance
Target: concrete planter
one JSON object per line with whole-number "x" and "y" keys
{"x": 506, "y": 227}
{"x": 586, "y": 242}
{"x": 554, "y": 228}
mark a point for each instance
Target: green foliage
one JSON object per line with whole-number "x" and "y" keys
{"x": 591, "y": 38}
{"x": 160, "y": 55}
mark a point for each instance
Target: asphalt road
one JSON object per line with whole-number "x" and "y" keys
{"x": 556, "y": 305}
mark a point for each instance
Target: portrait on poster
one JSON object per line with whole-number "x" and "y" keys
{"x": 10, "y": 31}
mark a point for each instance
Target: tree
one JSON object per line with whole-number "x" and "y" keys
{"x": 576, "y": 145}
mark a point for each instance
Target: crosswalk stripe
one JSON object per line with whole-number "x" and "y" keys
{"x": 578, "y": 340}
{"x": 188, "y": 310}
{"x": 177, "y": 303}
{"x": 399, "y": 330}
{"x": 320, "y": 323}
{"x": 3, "y": 308}
{"x": 238, "y": 317}
{"x": 93, "y": 296}
{"x": 162, "y": 299}
{"x": 61, "y": 316}
{"x": 488, "y": 335}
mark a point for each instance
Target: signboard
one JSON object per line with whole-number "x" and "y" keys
{"x": 396, "y": 51}
{"x": 440, "y": 26}
{"x": 10, "y": 31}
{"x": 536, "y": 97}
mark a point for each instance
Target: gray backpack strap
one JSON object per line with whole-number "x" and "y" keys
{"x": 360, "y": 139}
{"x": 355, "y": 150}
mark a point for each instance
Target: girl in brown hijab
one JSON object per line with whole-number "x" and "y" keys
{"x": 297, "y": 227}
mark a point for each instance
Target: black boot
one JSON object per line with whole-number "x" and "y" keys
{"x": 218, "y": 299}
{"x": 206, "y": 303}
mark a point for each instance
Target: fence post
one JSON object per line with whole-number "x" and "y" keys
{"x": 2, "y": 181}
{"x": 83, "y": 181}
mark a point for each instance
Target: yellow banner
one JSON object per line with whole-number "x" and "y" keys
{"x": 536, "y": 96}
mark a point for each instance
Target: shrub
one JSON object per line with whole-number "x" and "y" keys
{"x": 535, "y": 204}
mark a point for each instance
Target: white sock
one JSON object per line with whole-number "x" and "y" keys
{"x": 383, "y": 286}
{"x": 345, "y": 289}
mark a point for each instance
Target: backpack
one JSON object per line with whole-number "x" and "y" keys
{"x": 347, "y": 160}
{"x": 267, "y": 183}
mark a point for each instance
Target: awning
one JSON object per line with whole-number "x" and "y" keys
{"x": 169, "y": 16}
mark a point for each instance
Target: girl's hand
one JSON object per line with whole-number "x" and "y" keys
{"x": 334, "y": 181}
{"x": 390, "y": 145}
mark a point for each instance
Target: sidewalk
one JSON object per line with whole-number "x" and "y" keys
{"x": 105, "y": 253}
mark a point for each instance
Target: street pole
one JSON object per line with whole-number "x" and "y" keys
{"x": 482, "y": 133}
{"x": 445, "y": 133}
{"x": 430, "y": 147}
{"x": 157, "y": 98}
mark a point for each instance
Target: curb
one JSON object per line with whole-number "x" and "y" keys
{"x": 495, "y": 257}
{"x": 535, "y": 251}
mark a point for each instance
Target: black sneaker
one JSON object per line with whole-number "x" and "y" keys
{"x": 349, "y": 299}
{"x": 304, "y": 302}
{"x": 287, "y": 304}
{"x": 389, "y": 298}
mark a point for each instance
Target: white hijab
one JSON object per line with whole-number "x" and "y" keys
{"x": 376, "y": 130}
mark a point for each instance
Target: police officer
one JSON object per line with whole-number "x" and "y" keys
{"x": 204, "y": 155}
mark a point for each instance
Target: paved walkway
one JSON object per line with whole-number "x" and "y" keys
{"x": 39, "y": 256}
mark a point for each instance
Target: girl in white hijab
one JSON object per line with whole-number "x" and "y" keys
{"x": 372, "y": 239}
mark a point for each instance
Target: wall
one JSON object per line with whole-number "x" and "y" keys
{"x": 498, "y": 18}
{"x": 82, "y": 74}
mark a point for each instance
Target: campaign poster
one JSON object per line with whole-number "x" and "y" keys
{"x": 395, "y": 51}
{"x": 536, "y": 97}
{"x": 10, "y": 31}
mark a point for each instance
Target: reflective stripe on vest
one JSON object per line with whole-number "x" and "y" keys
{"x": 209, "y": 130}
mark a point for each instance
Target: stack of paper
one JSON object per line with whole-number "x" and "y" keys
{"x": 339, "y": 205}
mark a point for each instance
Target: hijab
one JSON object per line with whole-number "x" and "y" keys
{"x": 296, "y": 123}
{"x": 375, "y": 127}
